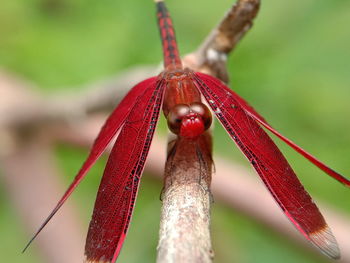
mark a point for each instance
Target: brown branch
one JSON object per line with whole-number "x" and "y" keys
{"x": 211, "y": 56}
{"x": 184, "y": 234}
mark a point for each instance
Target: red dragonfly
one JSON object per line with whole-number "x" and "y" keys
{"x": 178, "y": 91}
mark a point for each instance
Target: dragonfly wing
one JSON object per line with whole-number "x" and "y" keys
{"x": 271, "y": 166}
{"x": 108, "y": 131}
{"x": 210, "y": 81}
{"x": 119, "y": 185}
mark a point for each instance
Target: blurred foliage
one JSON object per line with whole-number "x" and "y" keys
{"x": 293, "y": 66}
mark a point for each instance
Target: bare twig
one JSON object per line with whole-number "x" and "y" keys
{"x": 184, "y": 234}
{"x": 211, "y": 56}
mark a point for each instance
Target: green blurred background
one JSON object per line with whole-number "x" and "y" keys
{"x": 293, "y": 66}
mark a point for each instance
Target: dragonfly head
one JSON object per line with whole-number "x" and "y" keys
{"x": 189, "y": 121}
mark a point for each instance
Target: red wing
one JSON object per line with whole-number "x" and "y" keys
{"x": 118, "y": 189}
{"x": 271, "y": 166}
{"x": 108, "y": 131}
{"x": 210, "y": 81}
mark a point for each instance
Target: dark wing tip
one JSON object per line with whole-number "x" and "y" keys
{"x": 54, "y": 211}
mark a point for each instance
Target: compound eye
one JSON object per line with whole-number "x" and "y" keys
{"x": 175, "y": 116}
{"x": 203, "y": 111}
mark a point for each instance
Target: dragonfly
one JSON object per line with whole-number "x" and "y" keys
{"x": 178, "y": 92}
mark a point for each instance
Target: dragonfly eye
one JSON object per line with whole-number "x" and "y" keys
{"x": 175, "y": 116}
{"x": 189, "y": 121}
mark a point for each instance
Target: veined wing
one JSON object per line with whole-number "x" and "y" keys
{"x": 210, "y": 81}
{"x": 119, "y": 185}
{"x": 271, "y": 166}
{"x": 108, "y": 131}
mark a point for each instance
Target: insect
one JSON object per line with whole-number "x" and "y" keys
{"x": 178, "y": 91}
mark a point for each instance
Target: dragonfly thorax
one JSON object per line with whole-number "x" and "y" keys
{"x": 189, "y": 120}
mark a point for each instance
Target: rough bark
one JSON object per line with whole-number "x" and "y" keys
{"x": 184, "y": 234}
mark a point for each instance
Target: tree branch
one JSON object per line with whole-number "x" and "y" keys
{"x": 184, "y": 234}
{"x": 211, "y": 56}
